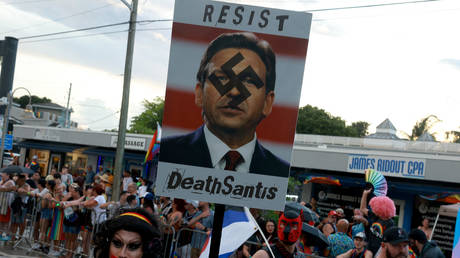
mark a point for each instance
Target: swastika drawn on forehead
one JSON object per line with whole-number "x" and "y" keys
{"x": 236, "y": 80}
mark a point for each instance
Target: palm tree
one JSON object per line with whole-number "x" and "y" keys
{"x": 424, "y": 126}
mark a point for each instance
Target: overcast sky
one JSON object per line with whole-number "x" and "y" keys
{"x": 397, "y": 61}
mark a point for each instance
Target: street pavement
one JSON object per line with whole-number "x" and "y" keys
{"x": 8, "y": 251}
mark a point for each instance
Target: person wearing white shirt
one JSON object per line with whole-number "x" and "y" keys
{"x": 127, "y": 179}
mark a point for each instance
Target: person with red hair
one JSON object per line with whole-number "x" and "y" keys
{"x": 380, "y": 217}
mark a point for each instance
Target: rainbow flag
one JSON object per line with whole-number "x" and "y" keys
{"x": 448, "y": 197}
{"x": 55, "y": 232}
{"x": 322, "y": 180}
{"x": 154, "y": 146}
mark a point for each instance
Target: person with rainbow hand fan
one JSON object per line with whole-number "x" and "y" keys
{"x": 382, "y": 210}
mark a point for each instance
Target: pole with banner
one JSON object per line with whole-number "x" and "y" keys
{"x": 233, "y": 90}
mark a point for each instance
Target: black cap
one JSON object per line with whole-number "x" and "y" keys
{"x": 418, "y": 235}
{"x": 395, "y": 235}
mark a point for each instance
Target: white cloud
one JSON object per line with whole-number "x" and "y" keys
{"x": 398, "y": 62}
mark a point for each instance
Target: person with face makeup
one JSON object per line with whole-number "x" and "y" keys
{"x": 289, "y": 231}
{"x": 133, "y": 234}
{"x": 235, "y": 91}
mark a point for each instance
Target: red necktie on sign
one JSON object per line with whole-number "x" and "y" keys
{"x": 232, "y": 159}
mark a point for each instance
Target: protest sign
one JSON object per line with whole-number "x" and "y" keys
{"x": 234, "y": 82}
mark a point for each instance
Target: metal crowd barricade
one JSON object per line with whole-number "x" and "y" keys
{"x": 186, "y": 249}
{"x": 98, "y": 225}
{"x": 31, "y": 211}
{"x": 168, "y": 239}
{"x": 32, "y": 219}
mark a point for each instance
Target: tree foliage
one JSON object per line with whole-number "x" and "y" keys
{"x": 293, "y": 185}
{"x": 422, "y": 126}
{"x": 454, "y": 136}
{"x": 24, "y": 100}
{"x": 361, "y": 128}
{"x": 313, "y": 120}
{"x": 146, "y": 122}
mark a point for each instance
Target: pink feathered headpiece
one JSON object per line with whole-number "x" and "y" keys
{"x": 383, "y": 207}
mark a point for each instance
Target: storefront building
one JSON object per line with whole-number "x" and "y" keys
{"x": 418, "y": 174}
{"x": 56, "y": 147}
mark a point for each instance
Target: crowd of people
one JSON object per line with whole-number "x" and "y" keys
{"x": 72, "y": 214}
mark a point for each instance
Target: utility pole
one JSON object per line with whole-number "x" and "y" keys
{"x": 67, "y": 113}
{"x": 124, "y": 102}
{"x": 8, "y": 49}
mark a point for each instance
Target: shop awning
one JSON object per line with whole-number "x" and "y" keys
{"x": 53, "y": 146}
{"x": 419, "y": 187}
{"x": 111, "y": 153}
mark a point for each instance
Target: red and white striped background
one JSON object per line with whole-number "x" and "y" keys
{"x": 181, "y": 115}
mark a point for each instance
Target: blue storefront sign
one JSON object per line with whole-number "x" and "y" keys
{"x": 387, "y": 165}
{"x": 8, "y": 142}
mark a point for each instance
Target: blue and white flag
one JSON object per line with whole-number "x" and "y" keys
{"x": 238, "y": 226}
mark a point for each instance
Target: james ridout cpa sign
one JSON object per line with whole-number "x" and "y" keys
{"x": 233, "y": 89}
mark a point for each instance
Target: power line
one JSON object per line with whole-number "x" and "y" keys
{"x": 59, "y": 19}
{"x": 89, "y": 35}
{"x": 371, "y": 5}
{"x": 25, "y": 2}
{"x": 164, "y": 20}
{"x": 103, "y": 118}
{"x": 91, "y": 28}
{"x": 70, "y": 31}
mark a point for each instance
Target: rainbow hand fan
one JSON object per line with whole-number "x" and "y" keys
{"x": 376, "y": 180}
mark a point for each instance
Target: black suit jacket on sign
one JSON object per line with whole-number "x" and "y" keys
{"x": 192, "y": 149}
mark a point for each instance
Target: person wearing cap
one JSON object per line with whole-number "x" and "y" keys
{"x": 135, "y": 233}
{"x": 395, "y": 244}
{"x": 360, "y": 250}
{"x": 340, "y": 242}
{"x": 422, "y": 247}
{"x": 328, "y": 225}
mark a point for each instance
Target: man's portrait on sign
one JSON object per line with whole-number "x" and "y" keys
{"x": 235, "y": 92}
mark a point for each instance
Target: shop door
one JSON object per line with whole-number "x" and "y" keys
{"x": 399, "y": 218}
{"x": 55, "y": 162}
